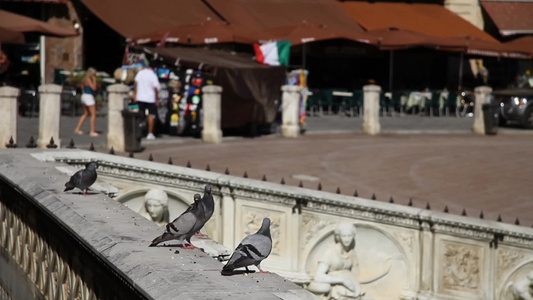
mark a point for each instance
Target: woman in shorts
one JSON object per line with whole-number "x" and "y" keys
{"x": 87, "y": 98}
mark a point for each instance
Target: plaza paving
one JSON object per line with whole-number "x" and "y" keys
{"x": 435, "y": 161}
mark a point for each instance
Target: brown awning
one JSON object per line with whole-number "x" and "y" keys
{"x": 524, "y": 44}
{"x": 207, "y": 32}
{"x": 396, "y": 38}
{"x": 20, "y": 23}
{"x": 267, "y": 14}
{"x": 11, "y": 37}
{"x": 511, "y": 17}
{"x": 431, "y": 19}
{"x": 306, "y": 32}
{"x": 130, "y": 18}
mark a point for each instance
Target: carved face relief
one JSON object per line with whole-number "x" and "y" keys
{"x": 155, "y": 209}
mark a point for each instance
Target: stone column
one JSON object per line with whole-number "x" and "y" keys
{"x": 371, "y": 109}
{"x": 212, "y": 132}
{"x": 115, "y": 121}
{"x": 290, "y": 103}
{"x": 8, "y": 114}
{"x": 228, "y": 218}
{"x": 426, "y": 262}
{"x": 49, "y": 114}
{"x": 482, "y": 96}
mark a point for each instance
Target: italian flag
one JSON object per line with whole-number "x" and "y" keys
{"x": 273, "y": 53}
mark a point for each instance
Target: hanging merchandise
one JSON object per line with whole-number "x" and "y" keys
{"x": 299, "y": 78}
{"x": 190, "y": 105}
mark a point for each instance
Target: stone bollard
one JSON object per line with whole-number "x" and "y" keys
{"x": 8, "y": 114}
{"x": 371, "y": 109}
{"x": 115, "y": 121}
{"x": 290, "y": 103}
{"x": 212, "y": 132}
{"x": 49, "y": 114}
{"x": 482, "y": 96}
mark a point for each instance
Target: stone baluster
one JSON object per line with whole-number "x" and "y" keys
{"x": 49, "y": 114}
{"x": 290, "y": 103}
{"x": 8, "y": 114}
{"x": 371, "y": 109}
{"x": 482, "y": 96}
{"x": 212, "y": 132}
{"x": 117, "y": 94}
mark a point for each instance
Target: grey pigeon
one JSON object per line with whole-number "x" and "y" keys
{"x": 252, "y": 250}
{"x": 187, "y": 224}
{"x": 83, "y": 179}
{"x": 208, "y": 202}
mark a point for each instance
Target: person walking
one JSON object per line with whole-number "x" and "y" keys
{"x": 146, "y": 94}
{"x": 89, "y": 104}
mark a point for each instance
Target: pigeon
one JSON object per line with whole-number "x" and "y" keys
{"x": 83, "y": 179}
{"x": 252, "y": 250}
{"x": 208, "y": 204}
{"x": 190, "y": 221}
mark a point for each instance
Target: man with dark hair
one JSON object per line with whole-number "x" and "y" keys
{"x": 146, "y": 93}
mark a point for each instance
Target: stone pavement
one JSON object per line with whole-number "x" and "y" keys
{"x": 435, "y": 161}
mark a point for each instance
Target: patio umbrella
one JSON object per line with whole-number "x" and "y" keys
{"x": 207, "y": 32}
{"x": 305, "y": 32}
{"x": 11, "y": 37}
{"x": 522, "y": 44}
{"x": 19, "y": 23}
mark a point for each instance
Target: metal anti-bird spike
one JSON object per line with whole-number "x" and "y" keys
{"x": 51, "y": 144}
{"x": 338, "y": 190}
{"x": 391, "y": 200}
{"x": 112, "y": 151}
{"x": 150, "y": 158}
{"x": 131, "y": 154}
{"x": 189, "y": 164}
{"x": 91, "y": 148}
{"x": 481, "y": 216}
{"x": 282, "y": 180}
{"x": 410, "y": 203}
{"x": 517, "y": 222}
{"x": 31, "y": 143}
{"x": 264, "y": 178}
{"x": 446, "y": 208}
{"x": 226, "y": 171}
{"x": 71, "y": 144}
{"x": 207, "y": 168}
{"x": 170, "y": 161}
{"x": 464, "y": 212}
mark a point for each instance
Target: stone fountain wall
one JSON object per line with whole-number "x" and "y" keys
{"x": 403, "y": 252}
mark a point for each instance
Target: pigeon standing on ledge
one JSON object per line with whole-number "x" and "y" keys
{"x": 252, "y": 250}
{"x": 83, "y": 179}
{"x": 190, "y": 221}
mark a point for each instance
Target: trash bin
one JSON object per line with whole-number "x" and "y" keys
{"x": 132, "y": 130}
{"x": 490, "y": 117}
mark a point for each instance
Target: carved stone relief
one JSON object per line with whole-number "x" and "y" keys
{"x": 311, "y": 225}
{"x": 252, "y": 223}
{"x": 383, "y": 270}
{"x": 461, "y": 267}
{"x": 519, "y": 284}
{"x": 507, "y": 260}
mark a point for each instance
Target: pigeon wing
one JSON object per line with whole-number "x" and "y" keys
{"x": 88, "y": 177}
{"x": 74, "y": 181}
{"x": 183, "y": 224}
{"x": 252, "y": 250}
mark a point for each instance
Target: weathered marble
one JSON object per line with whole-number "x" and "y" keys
{"x": 371, "y": 123}
{"x": 117, "y": 94}
{"x": 212, "y": 111}
{"x": 413, "y": 253}
{"x": 49, "y": 114}
{"x": 8, "y": 114}
{"x": 290, "y": 105}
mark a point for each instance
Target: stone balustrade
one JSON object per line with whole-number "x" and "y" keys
{"x": 64, "y": 245}
{"x": 404, "y": 252}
